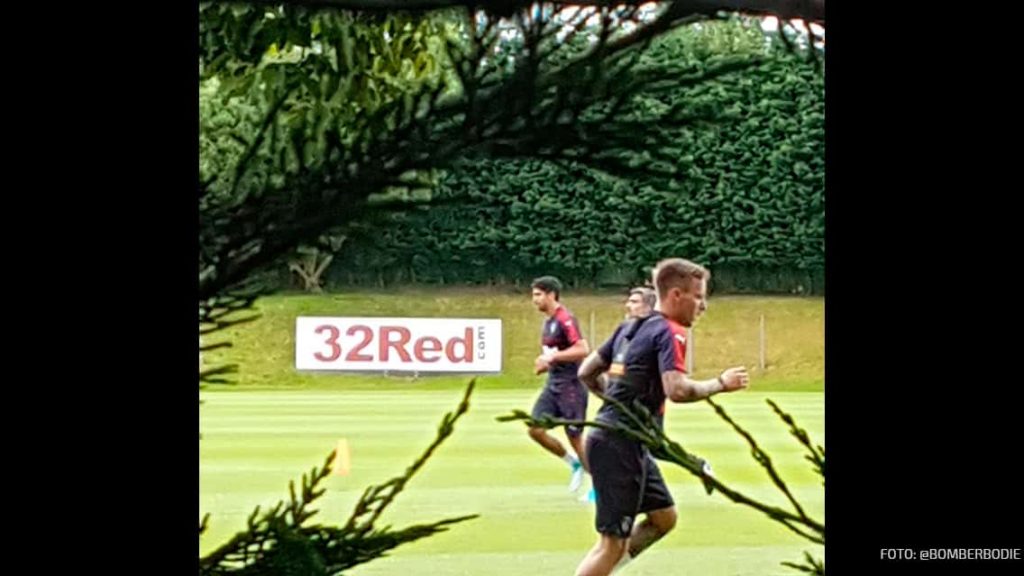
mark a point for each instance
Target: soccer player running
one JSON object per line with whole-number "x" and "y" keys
{"x": 645, "y": 364}
{"x": 563, "y": 395}
{"x": 639, "y": 304}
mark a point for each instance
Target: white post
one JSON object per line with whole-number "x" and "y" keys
{"x": 762, "y": 342}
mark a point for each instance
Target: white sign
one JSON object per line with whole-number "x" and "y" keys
{"x": 398, "y": 344}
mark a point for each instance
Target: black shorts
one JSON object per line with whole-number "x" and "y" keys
{"x": 627, "y": 482}
{"x": 568, "y": 401}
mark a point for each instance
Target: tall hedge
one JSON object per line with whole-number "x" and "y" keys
{"x": 749, "y": 199}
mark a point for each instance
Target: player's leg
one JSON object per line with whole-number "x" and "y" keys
{"x": 654, "y": 527}
{"x": 580, "y": 466}
{"x": 616, "y": 467}
{"x": 572, "y": 405}
{"x": 657, "y": 503}
{"x": 603, "y": 557}
{"x": 547, "y": 405}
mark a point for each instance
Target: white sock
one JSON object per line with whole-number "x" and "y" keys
{"x": 625, "y": 560}
{"x": 570, "y": 460}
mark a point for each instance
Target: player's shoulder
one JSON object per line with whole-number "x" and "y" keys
{"x": 624, "y": 328}
{"x": 674, "y": 332}
{"x": 656, "y": 322}
{"x": 563, "y": 314}
{"x": 656, "y": 328}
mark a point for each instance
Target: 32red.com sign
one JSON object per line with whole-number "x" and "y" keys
{"x": 398, "y": 344}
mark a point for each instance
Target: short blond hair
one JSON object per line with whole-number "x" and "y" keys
{"x": 676, "y": 273}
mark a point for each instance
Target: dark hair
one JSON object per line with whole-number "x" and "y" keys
{"x": 548, "y": 284}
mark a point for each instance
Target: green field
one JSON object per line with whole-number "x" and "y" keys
{"x": 254, "y": 442}
{"x": 727, "y": 335}
{"x": 274, "y": 424}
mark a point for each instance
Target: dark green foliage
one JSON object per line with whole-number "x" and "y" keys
{"x": 748, "y": 198}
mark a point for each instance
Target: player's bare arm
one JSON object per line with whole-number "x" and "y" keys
{"x": 591, "y": 372}
{"x": 680, "y": 388}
